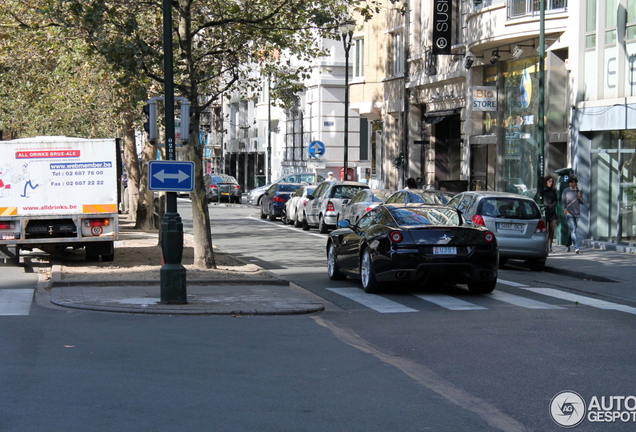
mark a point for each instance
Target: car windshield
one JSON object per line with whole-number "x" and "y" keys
{"x": 512, "y": 208}
{"x": 345, "y": 192}
{"x": 288, "y": 187}
{"x": 426, "y": 216}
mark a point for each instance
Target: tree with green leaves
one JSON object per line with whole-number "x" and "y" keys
{"x": 217, "y": 44}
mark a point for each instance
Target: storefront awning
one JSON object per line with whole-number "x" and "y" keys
{"x": 435, "y": 117}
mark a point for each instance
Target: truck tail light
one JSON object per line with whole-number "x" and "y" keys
{"x": 96, "y": 222}
{"x": 7, "y": 225}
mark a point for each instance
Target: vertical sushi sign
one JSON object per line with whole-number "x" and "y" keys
{"x": 442, "y": 29}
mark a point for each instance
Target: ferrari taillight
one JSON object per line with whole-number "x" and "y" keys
{"x": 396, "y": 236}
{"x": 489, "y": 237}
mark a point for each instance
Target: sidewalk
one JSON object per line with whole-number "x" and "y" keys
{"x": 273, "y": 295}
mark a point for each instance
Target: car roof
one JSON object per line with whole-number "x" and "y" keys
{"x": 347, "y": 183}
{"x": 497, "y": 194}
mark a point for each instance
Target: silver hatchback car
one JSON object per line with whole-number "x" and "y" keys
{"x": 325, "y": 205}
{"x": 515, "y": 219}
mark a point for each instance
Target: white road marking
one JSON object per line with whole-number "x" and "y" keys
{"x": 372, "y": 301}
{"x": 289, "y": 227}
{"x": 448, "y": 302}
{"x": 511, "y": 283}
{"x": 521, "y": 301}
{"x": 588, "y": 301}
{"x": 15, "y": 301}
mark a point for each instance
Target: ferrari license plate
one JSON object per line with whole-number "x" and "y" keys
{"x": 444, "y": 250}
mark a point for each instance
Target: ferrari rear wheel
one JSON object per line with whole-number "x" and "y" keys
{"x": 482, "y": 287}
{"x": 369, "y": 283}
{"x": 333, "y": 270}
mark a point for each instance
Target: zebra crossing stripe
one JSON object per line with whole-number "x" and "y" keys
{"x": 511, "y": 283}
{"x": 588, "y": 301}
{"x": 372, "y": 301}
{"x": 521, "y": 301}
{"x": 15, "y": 301}
{"x": 448, "y": 302}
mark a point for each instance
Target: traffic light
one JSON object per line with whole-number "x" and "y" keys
{"x": 150, "y": 126}
{"x": 185, "y": 121}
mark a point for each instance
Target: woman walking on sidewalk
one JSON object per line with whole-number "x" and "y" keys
{"x": 571, "y": 201}
{"x": 550, "y": 202}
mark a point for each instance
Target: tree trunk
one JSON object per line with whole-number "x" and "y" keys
{"x": 132, "y": 165}
{"x": 146, "y": 217}
{"x": 203, "y": 249}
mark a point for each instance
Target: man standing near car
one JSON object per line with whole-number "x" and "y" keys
{"x": 571, "y": 201}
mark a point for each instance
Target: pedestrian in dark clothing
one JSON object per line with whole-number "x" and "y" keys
{"x": 411, "y": 183}
{"x": 550, "y": 203}
{"x": 571, "y": 201}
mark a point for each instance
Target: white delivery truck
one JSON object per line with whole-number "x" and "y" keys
{"x": 58, "y": 192}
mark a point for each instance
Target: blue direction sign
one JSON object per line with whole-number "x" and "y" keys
{"x": 171, "y": 176}
{"x": 316, "y": 149}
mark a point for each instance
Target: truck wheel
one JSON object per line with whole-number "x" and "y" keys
{"x": 109, "y": 257}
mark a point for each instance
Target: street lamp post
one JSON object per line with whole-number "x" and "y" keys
{"x": 346, "y": 31}
{"x": 541, "y": 108}
{"x": 172, "y": 273}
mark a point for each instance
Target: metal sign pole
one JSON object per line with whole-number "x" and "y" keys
{"x": 173, "y": 274}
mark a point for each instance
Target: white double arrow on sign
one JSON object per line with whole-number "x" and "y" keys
{"x": 162, "y": 176}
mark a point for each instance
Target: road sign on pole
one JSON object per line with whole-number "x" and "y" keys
{"x": 171, "y": 176}
{"x": 316, "y": 149}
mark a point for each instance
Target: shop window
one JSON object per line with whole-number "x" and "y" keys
{"x": 610, "y": 22}
{"x": 630, "y": 31}
{"x": 358, "y": 63}
{"x": 398, "y": 54}
{"x": 590, "y": 25}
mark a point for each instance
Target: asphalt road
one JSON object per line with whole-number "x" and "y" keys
{"x": 504, "y": 355}
{"x": 431, "y": 359}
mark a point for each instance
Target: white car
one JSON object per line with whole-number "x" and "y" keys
{"x": 325, "y": 204}
{"x": 254, "y": 196}
{"x": 294, "y": 211}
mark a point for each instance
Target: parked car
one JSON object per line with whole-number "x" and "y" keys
{"x": 220, "y": 187}
{"x": 424, "y": 196}
{"x": 413, "y": 243}
{"x": 515, "y": 220}
{"x": 275, "y": 197}
{"x": 364, "y": 201}
{"x": 293, "y": 212}
{"x": 325, "y": 204}
{"x": 254, "y": 196}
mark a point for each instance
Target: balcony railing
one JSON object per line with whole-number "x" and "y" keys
{"x": 520, "y": 8}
